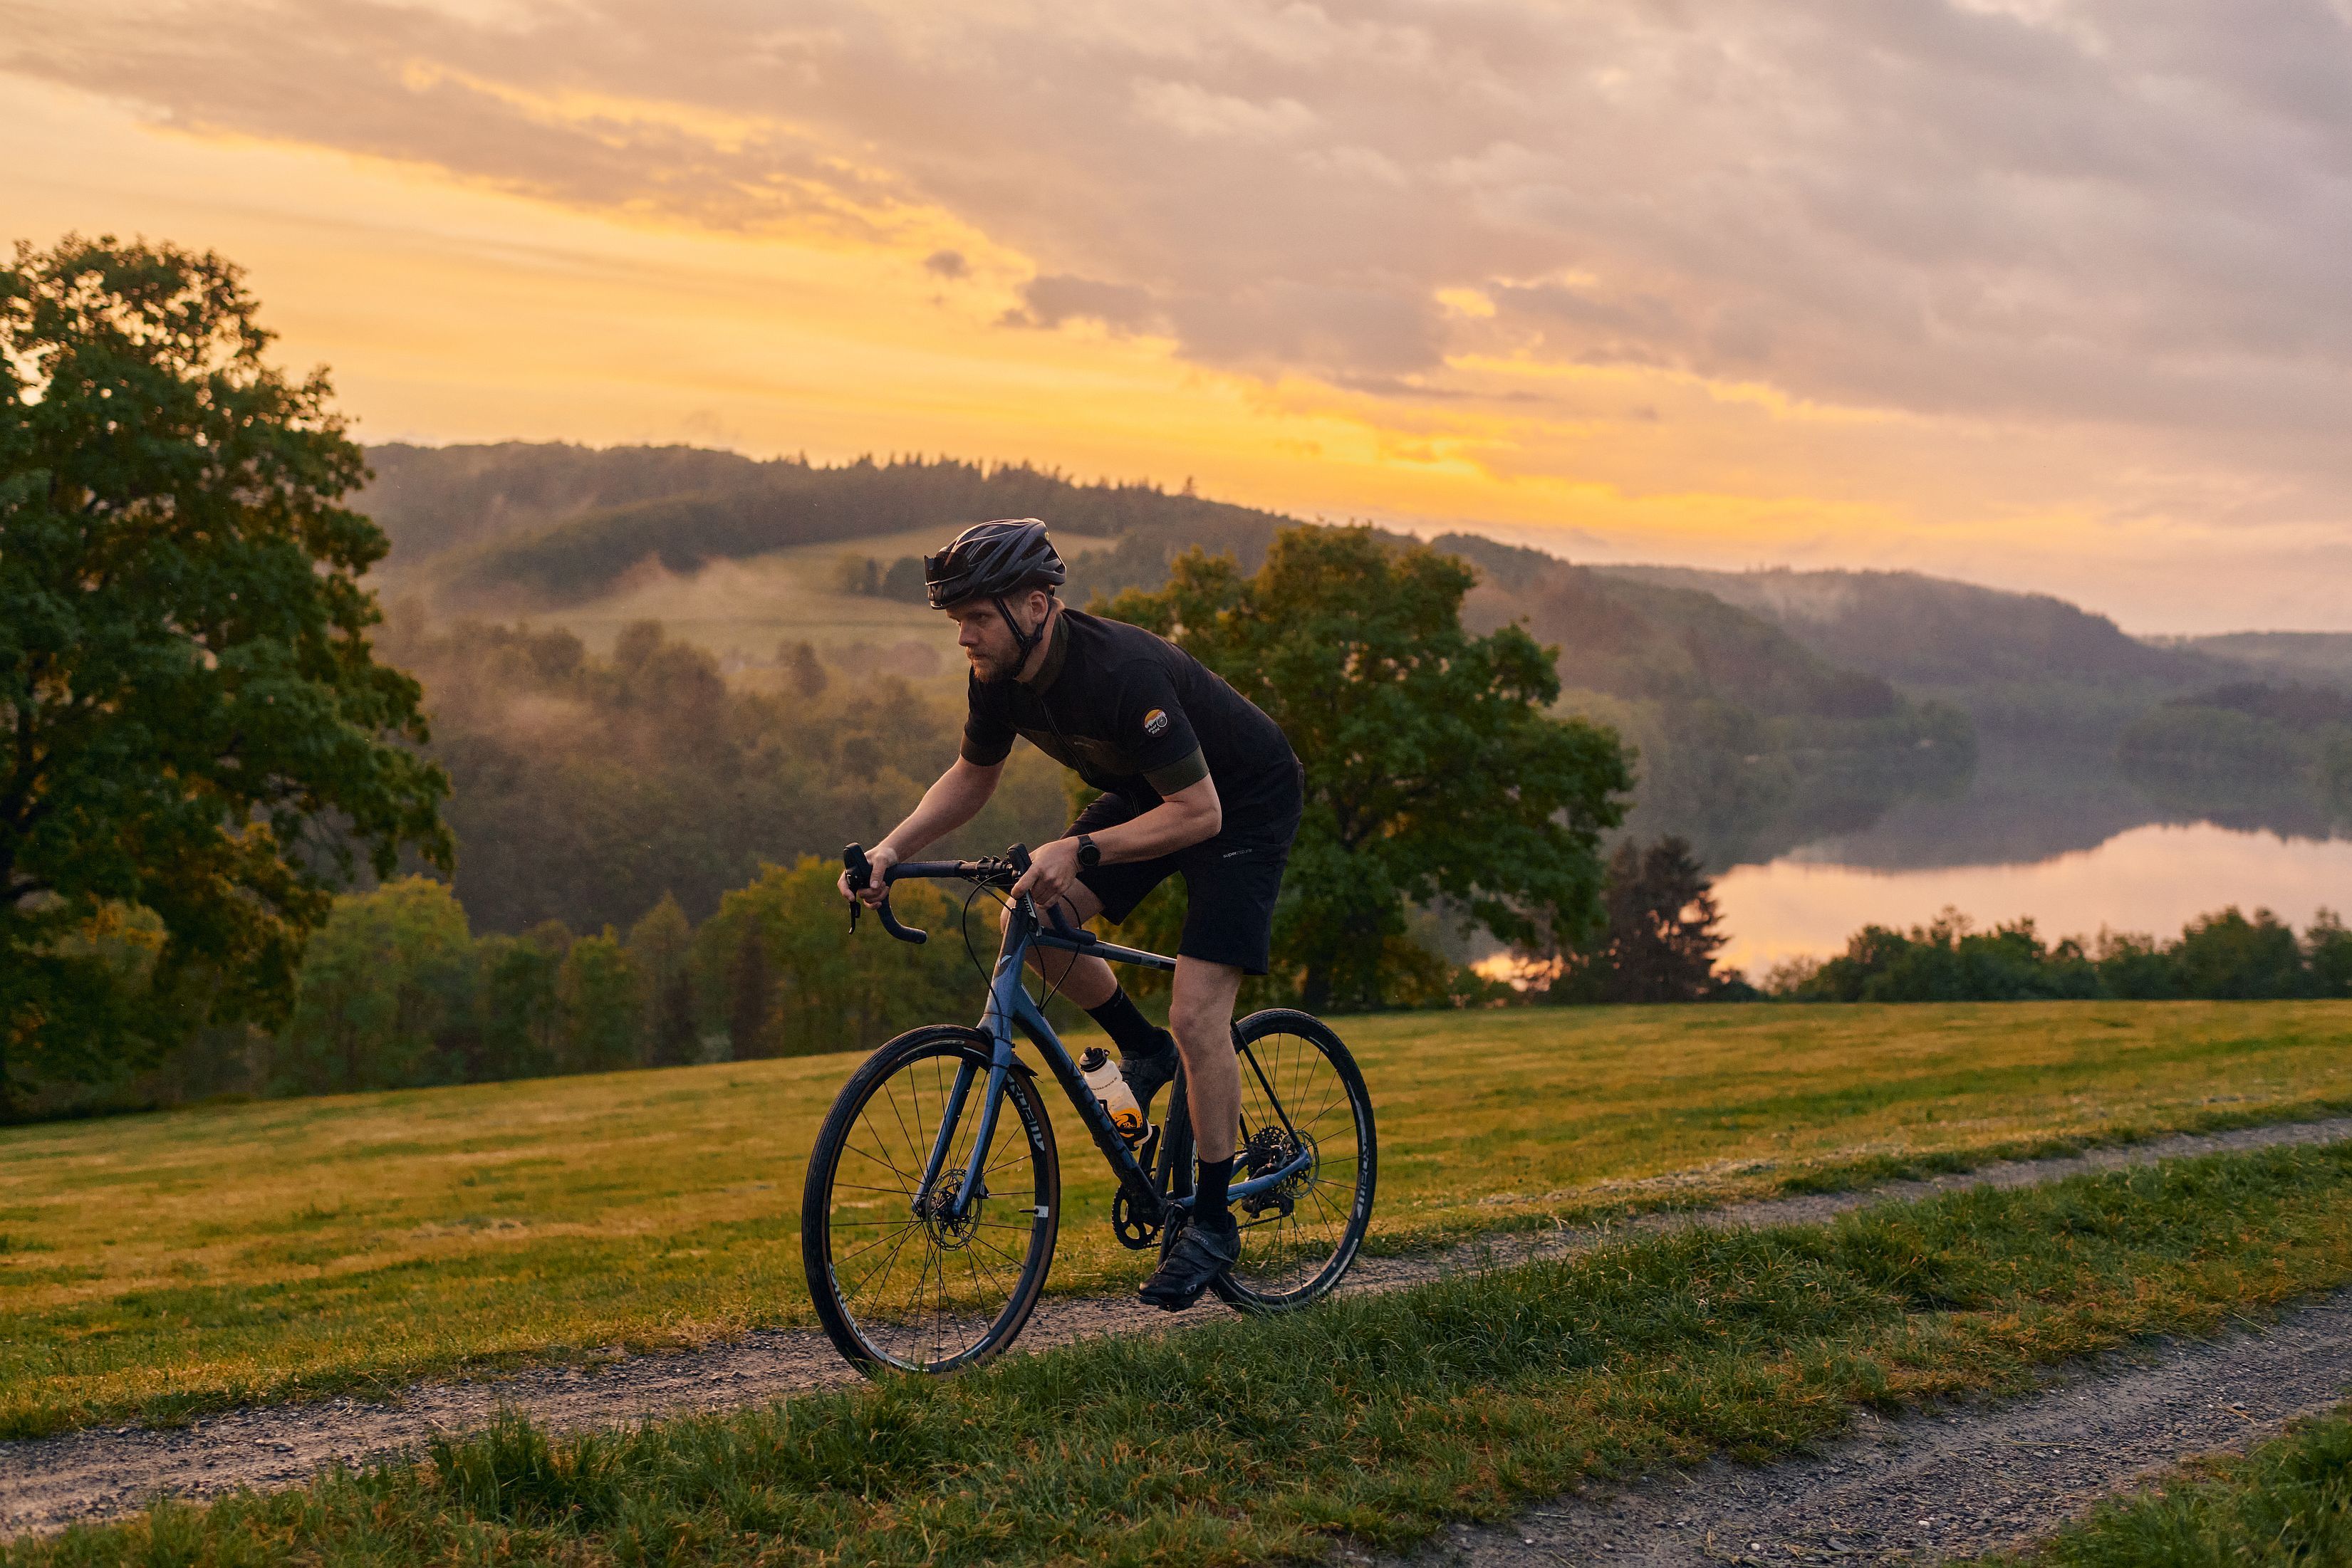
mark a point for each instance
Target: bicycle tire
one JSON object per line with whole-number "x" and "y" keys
{"x": 944, "y": 1317}
{"x": 1301, "y": 1241}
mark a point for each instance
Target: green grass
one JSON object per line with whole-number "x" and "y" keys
{"x": 1380, "y": 1418}
{"x": 2287, "y": 1502}
{"x": 153, "y": 1265}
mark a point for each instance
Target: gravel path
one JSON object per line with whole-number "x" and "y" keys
{"x": 49, "y": 1483}
{"x": 1951, "y": 1483}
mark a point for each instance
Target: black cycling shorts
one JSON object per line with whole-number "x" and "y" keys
{"x": 1229, "y": 882}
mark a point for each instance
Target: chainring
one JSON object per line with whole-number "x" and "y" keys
{"x": 1133, "y": 1233}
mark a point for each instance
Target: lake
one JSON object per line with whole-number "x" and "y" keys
{"x": 2152, "y": 878}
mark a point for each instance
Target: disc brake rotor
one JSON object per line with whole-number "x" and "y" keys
{"x": 1268, "y": 1150}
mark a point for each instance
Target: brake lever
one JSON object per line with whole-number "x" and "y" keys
{"x": 1017, "y": 857}
{"x": 861, "y": 872}
{"x": 861, "y": 876}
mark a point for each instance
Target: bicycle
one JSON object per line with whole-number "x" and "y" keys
{"x": 927, "y": 1238}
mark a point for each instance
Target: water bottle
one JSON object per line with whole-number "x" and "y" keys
{"x": 1109, "y": 1085}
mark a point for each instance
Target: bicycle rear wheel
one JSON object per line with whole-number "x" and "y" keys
{"x": 898, "y": 1280}
{"x": 1301, "y": 1092}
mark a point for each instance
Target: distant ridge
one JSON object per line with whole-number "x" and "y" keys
{"x": 1931, "y": 631}
{"x": 2291, "y": 655}
{"x": 551, "y": 525}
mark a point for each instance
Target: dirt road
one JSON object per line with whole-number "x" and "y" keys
{"x": 1951, "y": 1483}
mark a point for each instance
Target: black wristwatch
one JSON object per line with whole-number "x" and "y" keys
{"x": 1089, "y": 852}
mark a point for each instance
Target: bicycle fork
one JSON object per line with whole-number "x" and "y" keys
{"x": 1008, "y": 1004}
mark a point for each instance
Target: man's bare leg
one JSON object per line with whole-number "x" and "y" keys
{"x": 1201, "y": 1016}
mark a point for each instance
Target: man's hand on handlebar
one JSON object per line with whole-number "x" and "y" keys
{"x": 1053, "y": 870}
{"x": 880, "y": 857}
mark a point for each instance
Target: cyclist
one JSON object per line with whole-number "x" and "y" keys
{"x": 1196, "y": 783}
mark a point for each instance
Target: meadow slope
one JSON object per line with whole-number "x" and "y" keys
{"x": 157, "y": 1265}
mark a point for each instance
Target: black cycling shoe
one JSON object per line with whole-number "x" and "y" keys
{"x": 1147, "y": 1073}
{"x": 1202, "y": 1250}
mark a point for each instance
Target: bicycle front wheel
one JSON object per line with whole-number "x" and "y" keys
{"x": 1301, "y": 1093}
{"x": 899, "y": 1278}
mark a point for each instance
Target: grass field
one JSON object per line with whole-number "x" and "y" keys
{"x": 153, "y": 1266}
{"x": 1377, "y": 1416}
{"x": 750, "y": 606}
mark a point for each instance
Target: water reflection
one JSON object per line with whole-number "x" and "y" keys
{"x": 2152, "y": 878}
{"x": 2024, "y": 803}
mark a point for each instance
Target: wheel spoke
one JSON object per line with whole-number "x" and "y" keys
{"x": 907, "y": 1282}
{"x": 1288, "y": 1258}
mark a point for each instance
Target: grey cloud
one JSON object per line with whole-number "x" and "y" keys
{"x": 1051, "y": 301}
{"x": 2117, "y": 213}
{"x": 948, "y": 264}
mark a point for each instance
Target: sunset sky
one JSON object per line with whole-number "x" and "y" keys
{"x": 2036, "y": 293}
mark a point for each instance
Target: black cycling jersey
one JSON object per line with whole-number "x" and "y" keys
{"x": 1136, "y": 716}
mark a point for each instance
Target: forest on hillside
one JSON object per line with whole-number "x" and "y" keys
{"x": 587, "y": 789}
{"x": 1750, "y": 743}
{"x": 525, "y": 527}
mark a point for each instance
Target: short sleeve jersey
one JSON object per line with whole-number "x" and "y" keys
{"x": 1133, "y": 714}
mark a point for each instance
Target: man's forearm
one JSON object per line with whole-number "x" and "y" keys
{"x": 1168, "y": 827}
{"x": 956, "y": 799}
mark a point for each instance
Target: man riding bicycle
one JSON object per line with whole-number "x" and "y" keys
{"x": 1196, "y": 781}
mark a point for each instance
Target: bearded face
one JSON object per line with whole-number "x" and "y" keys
{"x": 987, "y": 640}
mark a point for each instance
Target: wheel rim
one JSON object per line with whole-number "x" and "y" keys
{"x": 1303, "y": 1229}
{"x": 919, "y": 1286}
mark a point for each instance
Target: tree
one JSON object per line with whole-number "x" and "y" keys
{"x": 808, "y": 676}
{"x": 661, "y": 947}
{"x": 383, "y": 983}
{"x": 779, "y": 962}
{"x": 1433, "y": 768}
{"x": 2228, "y": 957}
{"x": 521, "y": 1004}
{"x": 191, "y": 718}
{"x": 600, "y": 995}
{"x": 751, "y": 994}
{"x": 1663, "y": 932}
{"x": 2327, "y": 954}
{"x": 904, "y": 582}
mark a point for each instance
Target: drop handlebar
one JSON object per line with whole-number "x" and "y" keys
{"x": 997, "y": 871}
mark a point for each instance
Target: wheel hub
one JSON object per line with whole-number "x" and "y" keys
{"x": 935, "y": 1206}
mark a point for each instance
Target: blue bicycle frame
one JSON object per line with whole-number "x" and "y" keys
{"x": 1010, "y": 1007}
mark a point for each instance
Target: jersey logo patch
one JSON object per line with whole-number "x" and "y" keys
{"x": 1155, "y": 723}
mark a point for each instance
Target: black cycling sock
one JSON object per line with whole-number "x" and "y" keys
{"x": 1134, "y": 1034}
{"x": 1209, "y": 1197}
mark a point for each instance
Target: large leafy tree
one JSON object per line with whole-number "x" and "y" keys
{"x": 191, "y": 719}
{"x": 1434, "y": 767}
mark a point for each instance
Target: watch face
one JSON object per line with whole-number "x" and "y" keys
{"x": 1089, "y": 854}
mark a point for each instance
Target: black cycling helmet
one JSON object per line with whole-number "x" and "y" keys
{"x": 988, "y": 560}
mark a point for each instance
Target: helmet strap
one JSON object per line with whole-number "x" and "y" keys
{"x": 1024, "y": 641}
